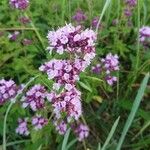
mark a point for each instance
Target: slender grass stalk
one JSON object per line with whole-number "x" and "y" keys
{"x": 138, "y": 42}
{"x": 36, "y": 32}
{"x": 113, "y": 129}
{"x": 63, "y": 12}
{"x": 17, "y": 142}
{"x": 102, "y": 14}
{"x": 134, "y": 109}
{"x": 99, "y": 146}
{"x": 8, "y": 110}
{"x": 142, "y": 130}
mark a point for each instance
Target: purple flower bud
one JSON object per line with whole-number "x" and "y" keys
{"x": 24, "y": 20}
{"x": 131, "y": 3}
{"x": 79, "y": 16}
{"x": 127, "y": 12}
{"x": 95, "y": 22}
{"x": 13, "y": 36}
{"x": 19, "y": 4}
{"x": 96, "y": 69}
{"x": 26, "y": 42}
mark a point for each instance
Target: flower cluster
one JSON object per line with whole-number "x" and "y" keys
{"x": 8, "y": 90}
{"x": 22, "y": 128}
{"x": 80, "y": 46}
{"x": 79, "y": 16}
{"x": 61, "y": 126}
{"x": 35, "y": 97}
{"x": 39, "y": 122}
{"x": 144, "y": 35}
{"x": 73, "y": 40}
{"x": 129, "y": 6}
{"x": 19, "y": 4}
{"x": 82, "y": 131}
{"x": 108, "y": 65}
{"x": 13, "y": 36}
{"x": 131, "y": 3}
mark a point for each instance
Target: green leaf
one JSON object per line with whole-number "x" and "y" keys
{"x": 85, "y": 86}
{"x": 113, "y": 129}
{"x": 64, "y": 144}
{"x": 133, "y": 110}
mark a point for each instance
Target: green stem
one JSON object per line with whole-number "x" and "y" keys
{"x": 37, "y": 32}
{"x": 138, "y": 42}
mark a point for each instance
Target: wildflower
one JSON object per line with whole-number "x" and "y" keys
{"x": 26, "y": 42}
{"x": 39, "y": 122}
{"x": 72, "y": 40}
{"x": 24, "y": 20}
{"x": 22, "y": 127}
{"x": 110, "y": 63}
{"x": 82, "y": 132}
{"x": 79, "y": 16}
{"x": 131, "y": 3}
{"x": 19, "y": 4}
{"x": 111, "y": 79}
{"x": 61, "y": 127}
{"x": 13, "y": 36}
{"x": 35, "y": 97}
{"x": 68, "y": 102}
{"x": 95, "y": 22}
{"x": 144, "y": 33}
{"x": 8, "y": 90}
{"x": 96, "y": 69}
{"x": 127, "y": 12}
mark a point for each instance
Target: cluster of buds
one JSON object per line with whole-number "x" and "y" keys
{"x": 19, "y": 4}
{"x": 79, "y": 17}
{"x": 80, "y": 46}
{"x": 8, "y": 90}
{"x": 107, "y": 66}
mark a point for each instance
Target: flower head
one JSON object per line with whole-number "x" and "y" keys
{"x": 39, "y": 122}
{"x": 61, "y": 126}
{"x": 13, "y": 36}
{"x": 22, "y": 127}
{"x": 35, "y": 97}
{"x": 82, "y": 132}
{"x": 8, "y": 90}
{"x": 79, "y": 16}
{"x": 19, "y": 4}
{"x": 144, "y": 33}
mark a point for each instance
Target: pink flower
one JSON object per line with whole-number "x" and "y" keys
{"x": 82, "y": 132}
{"x": 13, "y": 36}
{"x": 8, "y": 90}
{"x": 61, "y": 127}
{"x": 79, "y": 16}
{"x": 22, "y": 127}
{"x": 19, "y": 4}
{"x": 39, "y": 122}
{"x": 35, "y": 97}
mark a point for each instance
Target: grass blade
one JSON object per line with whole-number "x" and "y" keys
{"x": 71, "y": 143}
{"x": 99, "y": 146}
{"x": 64, "y": 145}
{"x": 102, "y": 14}
{"x": 133, "y": 110}
{"x": 110, "y": 134}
